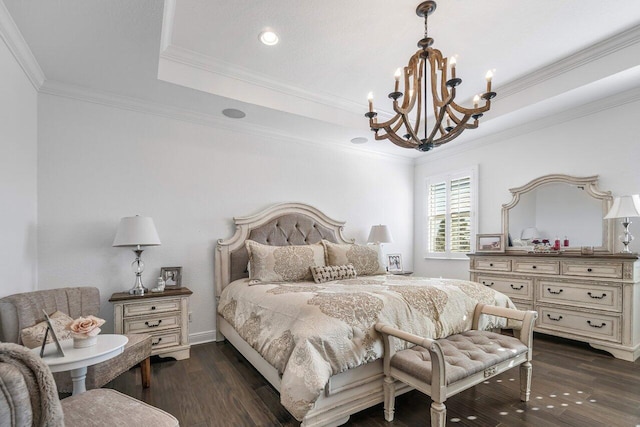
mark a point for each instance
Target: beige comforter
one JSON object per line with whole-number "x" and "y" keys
{"x": 310, "y": 332}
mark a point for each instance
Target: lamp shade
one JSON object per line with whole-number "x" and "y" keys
{"x": 380, "y": 234}
{"x": 136, "y": 231}
{"x": 624, "y": 207}
{"x": 529, "y": 233}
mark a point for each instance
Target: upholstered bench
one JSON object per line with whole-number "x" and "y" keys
{"x": 442, "y": 368}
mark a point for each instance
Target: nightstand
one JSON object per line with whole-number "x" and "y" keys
{"x": 401, "y": 273}
{"x": 164, "y": 315}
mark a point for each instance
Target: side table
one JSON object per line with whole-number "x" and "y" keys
{"x": 77, "y": 360}
{"x": 164, "y": 315}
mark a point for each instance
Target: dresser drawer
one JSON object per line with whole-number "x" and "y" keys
{"x": 598, "y": 326}
{"x": 536, "y": 266}
{"x": 516, "y": 288}
{"x": 592, "y": 269}
{"x": 151, "y": 323}
{"x": 493, "y": 264}
{"x": 165, "y": 339}
{"x": 593, "y": 295}
{"x": 151, "y": 307}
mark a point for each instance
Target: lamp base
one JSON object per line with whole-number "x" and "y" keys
{"x": 626, "y": 237}
{"x": 138, "y": 287}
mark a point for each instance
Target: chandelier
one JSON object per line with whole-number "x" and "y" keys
{"x": 450, "y": 119}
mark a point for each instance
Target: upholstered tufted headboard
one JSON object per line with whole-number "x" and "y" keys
{"x": 279, "y": 225}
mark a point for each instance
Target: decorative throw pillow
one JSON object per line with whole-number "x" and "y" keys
{"x": 367, "y": 260}
{"x": 32, "y": 336}
{"x": 327, "y": 273}
{"x": 282, "y": 263}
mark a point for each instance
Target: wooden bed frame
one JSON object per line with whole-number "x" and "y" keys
{"x": 345, "y": 393}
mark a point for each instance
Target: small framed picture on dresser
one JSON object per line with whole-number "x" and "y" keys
{"x": 172, "y": 276}
{"x": 490, "y": 243}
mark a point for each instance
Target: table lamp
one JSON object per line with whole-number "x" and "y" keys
{"x": 625, "y": 207}
{"x": 137, "y": 231}
{"x": 380, "y": 234}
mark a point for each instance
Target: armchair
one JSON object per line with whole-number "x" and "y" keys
{"x": 23, "y": 310}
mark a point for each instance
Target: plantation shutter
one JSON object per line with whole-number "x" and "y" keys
{"x": 460, "y": 208}
{"x": 437, "y": 217}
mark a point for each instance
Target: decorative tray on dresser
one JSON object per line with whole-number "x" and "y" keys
{"x": 594, "y": 299}
{"x": 164, "y": 315}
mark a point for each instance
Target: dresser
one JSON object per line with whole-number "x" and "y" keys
{"x": 164, "y": 315}
{"x": 594, "y": 299}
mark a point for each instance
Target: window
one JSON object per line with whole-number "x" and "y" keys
{"x": 451, "y": 219}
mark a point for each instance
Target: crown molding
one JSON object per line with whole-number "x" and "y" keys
{"x": 225, "y": 69}
{"x": 19, "y": 48}
{"x": 593, "y": 53}
{"x": 553, "y": 119}
{"x": 112, "y": 100}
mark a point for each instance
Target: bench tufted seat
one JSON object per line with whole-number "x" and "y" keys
{"x": 442, "y": 368}
{"x": 465, "y": 354}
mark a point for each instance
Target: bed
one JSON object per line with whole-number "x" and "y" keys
{"x": 315, "y": 342}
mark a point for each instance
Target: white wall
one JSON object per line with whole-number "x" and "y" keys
{"x": 18, "y": 171}
{"x": 98, "y": 164}
{"x": 604, "y": 143}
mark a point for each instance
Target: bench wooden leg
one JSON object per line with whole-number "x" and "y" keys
{"x": 525, "y": 381}
{"x": 389, "y": 398}
{"x": 145, "y": 372}
{"x": 438, "y": 414}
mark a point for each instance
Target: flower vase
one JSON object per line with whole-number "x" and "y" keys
{"x": 84, "y": 342}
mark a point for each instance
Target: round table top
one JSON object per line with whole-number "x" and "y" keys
{"x": 108, "y": 346}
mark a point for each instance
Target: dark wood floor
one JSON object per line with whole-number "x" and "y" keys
{"x": 573, "y": 385}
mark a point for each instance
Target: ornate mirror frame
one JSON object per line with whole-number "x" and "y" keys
{"x": 589, "y": 184}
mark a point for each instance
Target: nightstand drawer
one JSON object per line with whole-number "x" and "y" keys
{"x": 598, "y": 326}
{"x": 150, "y": 324}
{"x": 516, "y": 288}
{"x": 493, "y": 264}
{"x": 536, "y": 266}
{"x": 592, "y": 269}
{"x": 151, "y": 307}
{"x": 165, "y": 339}
{"x": 603, "y": 297}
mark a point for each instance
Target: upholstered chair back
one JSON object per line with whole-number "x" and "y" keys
{"x": 20, "y": 311}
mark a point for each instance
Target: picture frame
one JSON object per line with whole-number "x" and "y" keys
{"x": 51, "y": 331}
{"x": 172, "y": 276}
{"x": 490, "y": 243}
{"x": 394, "y": 263}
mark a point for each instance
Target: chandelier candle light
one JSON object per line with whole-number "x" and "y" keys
{"x": 450, "y": 119}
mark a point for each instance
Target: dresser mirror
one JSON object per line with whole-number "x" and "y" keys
{"x": 559, "y": 206}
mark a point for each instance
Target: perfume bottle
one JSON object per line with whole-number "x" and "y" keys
{"x": 556, "y": 244}
{"x": 566, "y": 242}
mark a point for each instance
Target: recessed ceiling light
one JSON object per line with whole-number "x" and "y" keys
{"x": 359, "y": 140}
{"x": 233, "y": 113}
{"x": 269, "y": 38}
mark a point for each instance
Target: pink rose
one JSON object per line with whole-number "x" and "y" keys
{"x": 84, "y": 327}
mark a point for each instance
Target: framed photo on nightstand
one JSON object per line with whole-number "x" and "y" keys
{"x": 172, "y": 276}
{"x": 394, "y": 262}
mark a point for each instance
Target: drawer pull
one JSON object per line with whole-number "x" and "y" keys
{"x": 487, "y": 284}
{"x": 156, "y": 342}
{"x": 490, "y": 264}
{"x": 597, "y": 297}
{"x": 153, "y": 325}
{"x": 516, "y": 289}
{"x": 589, "y": 270}
{"x": 555, "y": 319}
{"x": 554, "y": 292}
{"x": 153, "y": 307}
{"x": 596, "y": 326}
{"x": 534, "y": 267}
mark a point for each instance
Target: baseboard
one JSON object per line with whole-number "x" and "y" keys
{"x": 202, "y": 337}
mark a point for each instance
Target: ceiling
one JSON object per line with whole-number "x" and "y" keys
{"x": 202, "y": 56}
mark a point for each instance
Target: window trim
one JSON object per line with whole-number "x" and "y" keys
{"x": 471, "y": 171}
